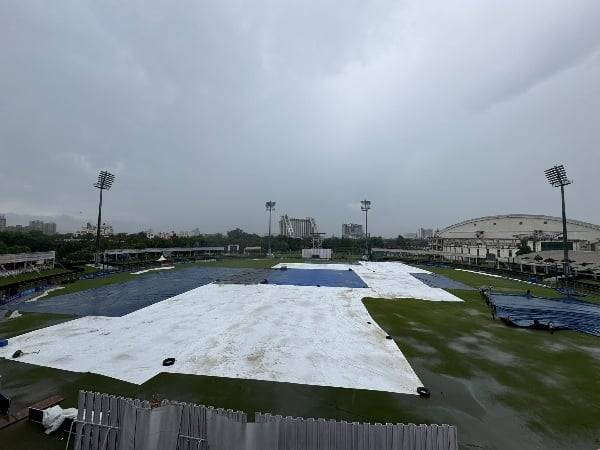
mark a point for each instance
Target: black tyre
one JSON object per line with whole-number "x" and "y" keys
{"x": 423, "y": 392}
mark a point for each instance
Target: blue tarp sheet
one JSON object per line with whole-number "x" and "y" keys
{"x": 568, "y": 314}
{"x": 316, "y": 277}
{"x": 440, "y": 281}
{"x": 116, "y": 300}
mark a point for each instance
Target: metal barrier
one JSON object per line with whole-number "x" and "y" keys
{"x": 106, "y": 422}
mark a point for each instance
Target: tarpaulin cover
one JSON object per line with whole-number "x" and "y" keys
{"x": 116, "y": 300}
{"x": 316, "y": 277}
{"x": 568, "y": 314}
{"x": 440, "y": 281}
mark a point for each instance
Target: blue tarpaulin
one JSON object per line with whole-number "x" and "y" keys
{"x": 316, "y": 277}
{"x": 440, "y": 281}
{"x": 116, "y": 300}
{"x": 564, "y": 313}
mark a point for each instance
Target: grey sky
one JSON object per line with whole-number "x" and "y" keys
{"x": 437, "y": 111}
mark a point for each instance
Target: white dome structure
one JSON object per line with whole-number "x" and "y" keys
{"x": 519, "y": 227}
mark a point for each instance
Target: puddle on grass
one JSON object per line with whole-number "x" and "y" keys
{"x": 555, "y": 346}
{"x": 483, "y": 421}
{"x": 468, "y": 339}
{"x": 459, "y": 347}
{"x": 555, "y": 381}
{"x": 424, "y": 348}
{"x": 594, "y": 352}
{"x": 498, "y": 356}
{"x": 473, "y": 312}
{"x": 466, "y": 344}
{"x": 484, "y": 334}
{"x": 421, "y": 347}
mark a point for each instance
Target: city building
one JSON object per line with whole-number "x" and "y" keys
{"x": 409, "y": 235}
{"x": 36, "y": 225}
{"x": 297, "y": 228}
{"x": 49, "y": 228}
{"x": 189, "y": 233}
{"x": 90, "y": 230}
{"x": 424, "y": 233}
{"x": 500, "y": 237}
{"x": 352, "y": 231}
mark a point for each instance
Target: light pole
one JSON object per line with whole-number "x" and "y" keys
{"x": 365, "y": 205}
{"x": 270, "y": 206}
{"x": 104, "y": 183}
{"x": 557, "y": 177}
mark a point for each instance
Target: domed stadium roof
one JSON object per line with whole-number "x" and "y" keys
{"x": 514, "y": 226}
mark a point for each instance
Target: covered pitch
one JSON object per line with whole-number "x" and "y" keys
{"x": 287, "y": 333}
{"x": 551, "y": 313}
{"x": 317, "y": 277}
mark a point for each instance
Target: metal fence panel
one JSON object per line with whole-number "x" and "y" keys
{"x": 114, "y": 423}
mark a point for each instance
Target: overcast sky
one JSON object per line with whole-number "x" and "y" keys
{"x": 436, "y": 111}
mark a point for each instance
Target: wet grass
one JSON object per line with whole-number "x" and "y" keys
{"x": 83, "y": 285}
{"x": 505, "y": 388}
{"x": 552, "y": 379}
{"x": 29, "y": 322}
{"x": 500, "y": 284}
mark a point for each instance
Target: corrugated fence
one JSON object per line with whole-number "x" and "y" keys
{"x": 107, "y": 422}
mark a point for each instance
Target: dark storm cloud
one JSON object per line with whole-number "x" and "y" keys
{"x": 437, "y": 111}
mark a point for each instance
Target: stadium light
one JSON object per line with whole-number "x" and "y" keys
{"x": 365, "y": 206}
{"x": 270, "y": 206}
{"x": 557, "y": 177}
{"x": 104, "y": 183}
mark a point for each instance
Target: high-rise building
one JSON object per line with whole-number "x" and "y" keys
{"x": 424, "y": 233}
{"x": 2, "y": 221}
{"x": 36, "y": 225}
{"x": 49, "y": 228}
{"x": 90, "y": 230}
{"x": 352, "y": 231}
{"x": 297, "y": 228}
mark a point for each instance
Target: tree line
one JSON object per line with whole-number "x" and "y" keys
{"x": 72, "y": 249}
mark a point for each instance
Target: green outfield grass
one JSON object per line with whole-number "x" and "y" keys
{"x": 82, "y": 285}
{"x": 502, "y": 284}
{"x": 505, "y": 388}
{"x": 520, "y": 385}
{"x": 28, "y": 322}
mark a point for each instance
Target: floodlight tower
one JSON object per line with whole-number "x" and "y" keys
{"x": 365, "y": 205}
{"x": 270, "y": 206}
{"x": 104, "y": 183}
{"x": 557, "y": 177}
